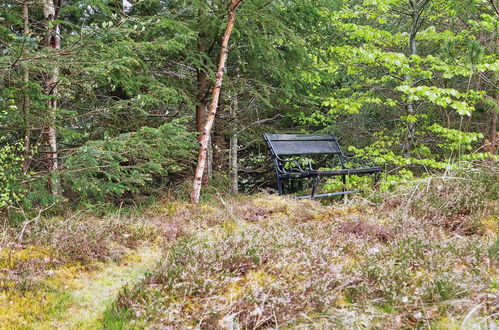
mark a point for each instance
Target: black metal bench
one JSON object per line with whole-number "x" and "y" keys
{"x": 285, "y": 148}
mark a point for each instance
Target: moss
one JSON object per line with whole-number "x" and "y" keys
{"x": 275, "y": 204}
{"x": 342, "y": 301}
{"x": 21, "y": 310}
{"x": 491, "y": 224}
{"x": 11, "y": 257}
{"x": 252, "y": 280}
{"x": 333, "y": 213}
{"x": 231, "y": 227}
{"x": 92, "y": 292}
{"x": 446, "y": 323}
{"x": 69, "y": 293}
{"x": 168, "y": 209}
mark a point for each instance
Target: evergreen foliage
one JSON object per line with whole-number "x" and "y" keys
{"x": 415, "y": 88}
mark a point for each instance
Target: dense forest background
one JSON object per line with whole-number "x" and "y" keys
{"x": 100, "y": 101}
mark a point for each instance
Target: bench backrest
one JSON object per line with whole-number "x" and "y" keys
{"x": 302, "y": 144}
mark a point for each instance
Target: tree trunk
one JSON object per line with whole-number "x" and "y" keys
{"x": 410, "y": 131}
{"x": 202, "y": 86}
{"x": 233, "y": 168}
{"x": 493, "y": 122}
{"x": 26, "y": 99}
{"x": 208, "y": 173}
{"x": 52, "y": 40}
{"x": 205, "y": 137}
{"x": 218, "y": 140}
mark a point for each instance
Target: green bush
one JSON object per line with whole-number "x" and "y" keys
{"x": 11, "y": 173}
{"x": 11, "y": 159}
{"x": 128, "y": 164}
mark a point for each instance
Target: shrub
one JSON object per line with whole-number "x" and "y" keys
{"x": 130, "y": 163}
{"x": 10, "y": 173}
{"x": 279, "y": 262}
{"x": 458, "y": 200}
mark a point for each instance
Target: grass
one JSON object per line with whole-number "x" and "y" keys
{"x": 73, "y": 297}
{"x": 96, "y": 290}
{"x": 64, "y": 272}
{"x": 424, "y": 257}
{"x": 271, "y": 262}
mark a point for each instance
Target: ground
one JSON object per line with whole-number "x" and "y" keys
{"x": 425, "y": 256}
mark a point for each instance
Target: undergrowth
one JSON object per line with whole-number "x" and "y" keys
{"x": 41, "y": 256}
{"x": 424, "y": 257}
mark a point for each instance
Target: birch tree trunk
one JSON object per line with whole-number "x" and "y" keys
{"x": 208, "y": 173}
{"x": 52, "y": 40}
{"x": 205, "y": 137}
{"x": 202, "y": 93}
{"x": 202, "y": 85}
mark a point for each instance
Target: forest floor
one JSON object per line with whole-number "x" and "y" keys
{"x": 424, "y": 256}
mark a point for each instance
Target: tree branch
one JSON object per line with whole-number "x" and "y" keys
{"x": 496, "y": 9}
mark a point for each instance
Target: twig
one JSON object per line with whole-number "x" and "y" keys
{"x": 492, "y": 2}
{"x": 26, "y": 223}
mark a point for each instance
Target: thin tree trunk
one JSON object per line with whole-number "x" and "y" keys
{"x": 218, "y": 143}
{"x": 233, "y": 149}
{"x": 26, "y": 98}
{"x": 410, "y": 131}
{"x": 53, "y": 41}
{"x": 202, "y": 86}
{"x": 198, "y": 178}
{"x": 493, "y": 122}
{"x": 208, "y": 175}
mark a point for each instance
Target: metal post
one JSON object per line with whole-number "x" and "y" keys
{"x": 279, "y": 185}
{"x": 314, "y": 186}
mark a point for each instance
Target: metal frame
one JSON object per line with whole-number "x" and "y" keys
{"x": 363, "y": 167}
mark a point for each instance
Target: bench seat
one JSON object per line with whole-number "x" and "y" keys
{"x": 284, "y": 147}
{"x": 347, "y": 171}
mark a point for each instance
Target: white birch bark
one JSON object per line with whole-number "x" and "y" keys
{"x": 52, "y": 40}
{"x": 205, "y": 136}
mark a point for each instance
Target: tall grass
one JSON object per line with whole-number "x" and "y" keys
{"x": 422, "y": 258}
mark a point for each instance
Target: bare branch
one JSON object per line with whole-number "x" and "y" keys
{"x": 496, "y": 9}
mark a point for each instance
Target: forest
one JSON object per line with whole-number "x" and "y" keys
{"x": 137, "y": 189}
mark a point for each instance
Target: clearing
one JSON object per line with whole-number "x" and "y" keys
{"x": 424, "y": 256}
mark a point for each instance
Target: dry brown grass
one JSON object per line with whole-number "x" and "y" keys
{"x": 426, "y": 257}
{"x": 270, "y": 262}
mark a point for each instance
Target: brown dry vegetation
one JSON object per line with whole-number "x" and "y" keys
{"x": 40, "y": 258}
{"x": 425, "y": 257}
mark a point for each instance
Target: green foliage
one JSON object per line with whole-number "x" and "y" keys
{"x": 365, "y": 184}
{"x": 11, "y": 165}
{"x": 11, "y": 174}
{"x": 129, "y": 163}
{"x": 294, "y": 163}
{"x": 414, "y": 106}
{"x": 315, "y": 65}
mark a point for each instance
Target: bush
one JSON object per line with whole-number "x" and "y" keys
{"x": 11, "y": 173}
{"x": 275, "y": 262}
{"x": 130, "y": 163}
{"x": 458, "y": 200}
